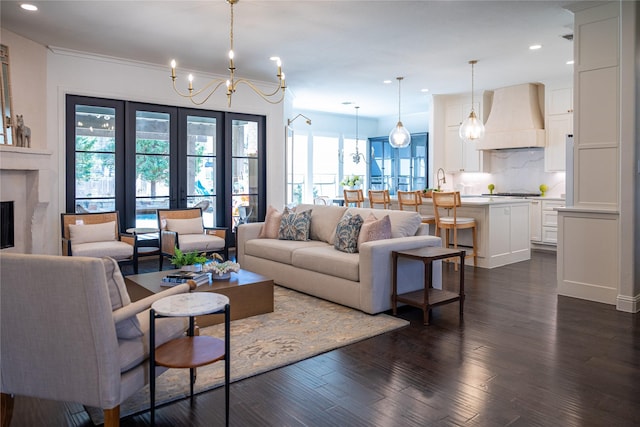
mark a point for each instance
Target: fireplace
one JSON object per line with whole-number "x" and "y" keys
{"x": 6, "y": 225}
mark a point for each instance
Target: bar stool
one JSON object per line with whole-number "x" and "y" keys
{"x": 353, "y": 196}
{"x": 413, "y": 201}
{"x": 379, "y": 197}
{"x": 451, "y": 201}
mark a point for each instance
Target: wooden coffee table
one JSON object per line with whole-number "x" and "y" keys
{"x": 249, "y": 293}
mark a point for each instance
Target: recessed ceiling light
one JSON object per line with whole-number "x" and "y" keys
{"x": 535, "y": 47}
{"x": 29, "y": 7}
{"x": 570, "y": 62}
{"x": 424, "y": 90}
{"x": 386, "y": 82}
{"x": 347, "y": 103}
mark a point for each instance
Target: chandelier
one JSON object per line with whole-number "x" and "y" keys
{"x": 203, "y": 94}
{"x": 399, "y": 137}
{"x": 472, "y": 127}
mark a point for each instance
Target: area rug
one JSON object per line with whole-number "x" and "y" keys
{"x": 300, "y": 327}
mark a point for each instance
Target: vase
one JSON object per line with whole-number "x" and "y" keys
{"x": 224, "y": 276}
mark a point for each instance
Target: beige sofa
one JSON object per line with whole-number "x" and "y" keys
{"x": 361, "y": 280}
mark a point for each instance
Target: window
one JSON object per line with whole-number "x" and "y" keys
{"x": 136, "y": 158}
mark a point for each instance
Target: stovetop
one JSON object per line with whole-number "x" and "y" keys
{"x": 513, "y": 194}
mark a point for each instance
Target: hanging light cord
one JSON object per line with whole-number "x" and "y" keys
{"x": 472, "y": 86}
{"x": 399, "y": 96}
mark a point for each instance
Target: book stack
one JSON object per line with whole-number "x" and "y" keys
{"x": 200, "y": 278}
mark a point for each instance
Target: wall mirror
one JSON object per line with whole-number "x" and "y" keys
{"x": 5, "y": 98}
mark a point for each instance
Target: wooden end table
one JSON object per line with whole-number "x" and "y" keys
{"x": 429, "y": 296}
{"x": 190, "y": 351}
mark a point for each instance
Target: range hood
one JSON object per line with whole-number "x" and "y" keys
{"x": 515, "y": 120}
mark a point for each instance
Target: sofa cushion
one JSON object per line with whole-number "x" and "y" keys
{"x": 375, "y": 229}
{"x": 278, "y": 250}
{"x": 403, "y": 223}
{"x": 271, "y": 225}
{"x": 127, "y": 328}
{"x": 347, "y": 233}
{"x": 200, "y": 242}
{"x": 86, "y": 233}
{"x": 327, "y": 260}
{"x": 185, "y": 226}
{"x": 294, "y": 226}
{"x": 324, "y": 220}
{"x": 115, "y": 249}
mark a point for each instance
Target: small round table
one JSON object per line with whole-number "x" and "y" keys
{"x": 189, "y": 351}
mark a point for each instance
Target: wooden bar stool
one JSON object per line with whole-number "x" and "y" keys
{"x": 353, "y": 196}
{"x": 451, "y": 201}
{"x": 379, "y": 197}
{"x": 412, "y": 201}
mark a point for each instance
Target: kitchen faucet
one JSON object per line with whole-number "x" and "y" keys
{"x": 444, "y": 178}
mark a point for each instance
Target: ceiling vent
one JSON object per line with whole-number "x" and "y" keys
{"x": 568, "y": 37}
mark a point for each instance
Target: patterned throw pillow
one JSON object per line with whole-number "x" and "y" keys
{"x": 294, "y": 226}
{"x": 347, "y": 233}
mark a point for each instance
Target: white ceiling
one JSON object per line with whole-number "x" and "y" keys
{"x": 332, "y": 51}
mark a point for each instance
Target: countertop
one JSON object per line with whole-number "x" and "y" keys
{"x": 484, "y": 201}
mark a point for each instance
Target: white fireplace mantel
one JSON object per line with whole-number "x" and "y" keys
{"x": 18, "y": 158}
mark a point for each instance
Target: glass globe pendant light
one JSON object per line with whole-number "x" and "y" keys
{"x": 399, "y": 137}
{"x": 472, "y": 128}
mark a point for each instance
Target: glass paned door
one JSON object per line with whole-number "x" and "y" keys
{"x": 245, "y": 174}
{"x": 202, "y": 166}
{"x": 95, "y": 159}
{"x": 153, "y": 151}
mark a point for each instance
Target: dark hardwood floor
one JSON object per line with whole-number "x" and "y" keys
{"x": 523, "y": 356}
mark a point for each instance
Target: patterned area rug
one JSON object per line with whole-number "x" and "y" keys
{"x": 300, "y": 327}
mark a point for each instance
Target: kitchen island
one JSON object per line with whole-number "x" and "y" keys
{"x": 503, "y": 228}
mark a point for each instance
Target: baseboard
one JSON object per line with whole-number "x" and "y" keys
{"x": 628, "y": 304}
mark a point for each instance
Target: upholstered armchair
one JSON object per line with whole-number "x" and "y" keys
{"x": 69, "y": 332}
{"x": 184, "y": 229}
{"x": 97, "y": 235}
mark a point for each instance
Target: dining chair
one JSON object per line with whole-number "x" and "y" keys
{"x": 450, "y": 201}
{"x": 411, "y": 200}
{"x": 353, "y": 196}
{"x": 379, "y": 197}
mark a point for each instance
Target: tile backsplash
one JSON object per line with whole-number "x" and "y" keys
{"x": 513, "y": 170}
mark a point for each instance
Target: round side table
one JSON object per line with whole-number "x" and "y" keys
{"x": 189, "y": 351}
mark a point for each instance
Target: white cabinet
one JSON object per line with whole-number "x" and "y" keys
{"x": 560, "y": 101}
{"x": 559, "y": 125}
{"x": 535, "y": 215}
{"x": 544, "y": 221}
{"x": 510, "y": 235}
{"x": 460, "y": 156}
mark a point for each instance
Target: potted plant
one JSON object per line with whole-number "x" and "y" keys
{"x": 191, "y": 260}
{"x": 352, "y": 181}
{"x": 219, "y": 269}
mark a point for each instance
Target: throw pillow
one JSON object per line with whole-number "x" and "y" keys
{"x": 375, "y": 229}
{"x": 186, "y": 226}
{"x": 294, "y": 226}
{"x": 271, "y": 224}
{"x": 347, "y": 233}
{"x": 86, "y": 233}
{"x": 128, "y": 328}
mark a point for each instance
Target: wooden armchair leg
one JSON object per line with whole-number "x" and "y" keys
{"x": 112, "y": 417}
{"x": 6, "y": 404}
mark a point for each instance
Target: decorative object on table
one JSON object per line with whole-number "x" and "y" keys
{"x": 543, "y": 189}
{"x": 491, "y": 187}
{"x": 23, "y": 133}
{"x": 183, "y": 276}
{"x": 219, "y": 269}
{"x": 188, "y": 260}
{"x": 399, "y": 137}
{"x": 352, "y": 182}
{"x": 472, "y": 127}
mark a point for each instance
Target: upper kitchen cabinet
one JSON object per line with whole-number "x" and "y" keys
{"x": 559, "y": 124}
{"x": 460, "y": 156}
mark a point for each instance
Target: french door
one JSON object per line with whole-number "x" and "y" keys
{"x": 136, "y": 158}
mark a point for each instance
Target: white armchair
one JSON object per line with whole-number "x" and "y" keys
{"x": 69, "y": 332}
